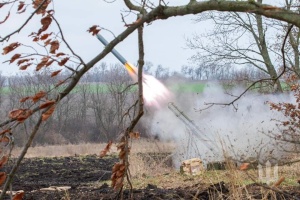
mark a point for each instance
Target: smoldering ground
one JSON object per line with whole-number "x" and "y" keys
{"x": 241, "y": 132}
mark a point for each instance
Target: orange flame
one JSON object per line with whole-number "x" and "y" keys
{"x": 154, "y": 92}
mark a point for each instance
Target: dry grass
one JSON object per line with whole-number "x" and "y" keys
{"x": 146, "y": 169}
{"x": 138, "y": 146}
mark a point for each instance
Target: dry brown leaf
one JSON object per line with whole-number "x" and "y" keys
{"x": 45, "y": 36}
{"x": 55, "y": 73}
{"x": 116, "y": 167}
{"x": 21, "y": 5}
{"x": 7, "y": 16}
{"x": 18, "y": 196}
{"x": 36, "y": 39}
{"x": 15, "y": 57}
{"x": 60, "y": 54}
{"x": 119, "y": 183}
{"x": 47, "y": 42}
{"x": 49, "y": 63}
{"x": 24, "y": 67}
{"x": 106, "y": 149}
{"x": 63, "y": 61}
{"x": 2, "y": 177}
{"x": 122, "y": 155}
{"x": 122, "y": 168}
{"x": 10, "y": 47}
{"x": 15, "y": 113}
{"x": 42, "y": 63}
{"x": 3, "y": 161}
{"x": 121, "y": 145}
{"x": 48, "y": 113}
{"x": 24, "y": 115}
{"x": 23, "y": 60}
{"x": 54, "y": 46}
{"x": 46, "y": 21}
{"x": 22, "y": 11}
{"x": 47, "y": 104}
{"x": 38, "y": 96}
{"x": 37, "y": 3}
{"x": 24, "y": 99}
{"x": 94, "y": 30}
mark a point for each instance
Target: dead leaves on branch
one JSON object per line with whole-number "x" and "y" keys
{"x": 15, "y": 57}
{"x": 21, "y": 61}
{"x": 10, "y": 47}
{"x": 21, "y": 6}
{"x": 20, "y": 114}
{"x": 117, "y": 177}
{"x": 94, "y": 30}
{"x": 2, "y": 177}
{"x": 120, "y": 168}
{"x": 24, "y": 99}
{"x": 48, "y": 113}
{"x": 38, "y": 96}
{"x": 45, "y": 21}
{"x": 106, "y": 149}
{"x": 45, "y": 36}
{"x": 55, "y": 73}
{"x": 24, "y": 67}
{"x": 54, "y": 46}
{"x": 24, "y": 60}
{"x": 42, "y": 63}
{"x": 37, "y": 3}
{"x": 63, "y": 61}
{"x": 47, "y": 104}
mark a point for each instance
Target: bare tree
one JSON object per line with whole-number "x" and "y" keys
{"x": 240, "y": 39}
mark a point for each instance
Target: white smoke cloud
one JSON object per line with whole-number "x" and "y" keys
{"x": 241, "y": 133}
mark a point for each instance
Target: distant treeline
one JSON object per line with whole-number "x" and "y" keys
{"x": 96, "y": 110}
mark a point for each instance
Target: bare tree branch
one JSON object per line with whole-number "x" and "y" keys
{"x": 261, "y": 80}
{"x": 25, "y": 23}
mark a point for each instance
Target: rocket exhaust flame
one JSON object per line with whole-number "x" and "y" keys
{"x": 154, "y": 91}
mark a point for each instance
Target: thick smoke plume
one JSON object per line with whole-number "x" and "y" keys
{"x": 240, "y": 133}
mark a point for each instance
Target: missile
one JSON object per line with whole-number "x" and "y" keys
{"x": 117, "y": 55}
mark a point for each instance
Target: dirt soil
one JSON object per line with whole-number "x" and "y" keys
{"x": 84, "y": 176}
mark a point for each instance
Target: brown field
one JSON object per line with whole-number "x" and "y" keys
{"x": 76, "y": 172}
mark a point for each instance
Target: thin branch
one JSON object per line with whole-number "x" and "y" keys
{"x": 65, "y": 41}
{"x": 25, "y": 23}
{"x": 261, "y": 80}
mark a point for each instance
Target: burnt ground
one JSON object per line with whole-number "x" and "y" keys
{"x": 83, "y": 174}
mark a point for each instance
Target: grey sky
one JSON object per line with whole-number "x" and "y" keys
{"x": 164, "y": 39}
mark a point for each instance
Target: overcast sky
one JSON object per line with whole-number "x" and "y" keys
{"x": 164, "y": 39}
